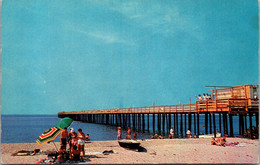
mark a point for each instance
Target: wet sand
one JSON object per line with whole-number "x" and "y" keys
{"x": 153, "y": 151}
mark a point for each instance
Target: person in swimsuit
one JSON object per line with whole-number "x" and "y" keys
{"x": 72, "y": 137}
{"x": 119, "y": 133}
{"x": 63, "y": 138}
{"x": 81, "y": 141}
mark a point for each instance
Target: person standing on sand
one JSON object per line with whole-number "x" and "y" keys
{"x": 129, "y": 133}
{"x": 171, "y": 132}
{"x": 81, "y": 142}
{"x": 72, "y": 137}
{"x": 118, "y": 133}
{"x": 63, "y": 138}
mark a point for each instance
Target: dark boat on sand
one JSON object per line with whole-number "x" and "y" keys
{"x": 129, "y": 143}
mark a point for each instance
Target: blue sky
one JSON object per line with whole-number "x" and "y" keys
{"x": 83, "y": 55}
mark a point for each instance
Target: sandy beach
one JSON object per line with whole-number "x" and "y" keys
{"x": 155, "y": 151}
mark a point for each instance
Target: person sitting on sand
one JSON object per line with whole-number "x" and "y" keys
{"x": 170, "y": 136}
{"x": 213, "y": 141}
{"x": 87, "y": 137}
{"x": 119, "y": 133}
{"x": 189, "y": 134}
{"x": 129, "y": 133}
{"x": 160, "y": 137}
{"x": 134, "y": 136}
{"x": 155, "y": 136}
{"x": 75, "y": 154}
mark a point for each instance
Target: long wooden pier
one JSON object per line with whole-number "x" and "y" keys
{"x": 177, "y": 116}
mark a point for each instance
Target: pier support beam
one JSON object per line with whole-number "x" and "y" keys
{"x": 250, "y": 125}
{"x": 148, "y": 126}
{"x": 214, "y": 125}
{"x": 198, "y": 125}
{"x": 189, "y": 121}
{"x": 181, "y": 129}
{"x": 159, "y": 123}
{"x": 185, "y": 125}
{"x": 163, "y": 124}
{"x": 194, "y": 126}
{"x": 153, "y": 123}
{"x": 177, "y": 125}
{"x": 206, "y": 123}
{"x": 143, "y": 124}
{"x": 219, "y": 123}
{"x": 210, "y": 124}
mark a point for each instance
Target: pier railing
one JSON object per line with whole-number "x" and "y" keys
{"x": 212, "y": 106}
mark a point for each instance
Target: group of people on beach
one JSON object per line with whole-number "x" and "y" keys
{"x": 204, "y": 97}
{"x": 221, "y": 141}
{"x": 75, "y": 141}
{"x": 127, "y": 136}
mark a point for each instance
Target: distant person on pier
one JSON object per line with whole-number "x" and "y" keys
{"x": 209, "y": 97}
{"x": 63, "y": 138}
{"x": 204, "y": 97}
{"x": 81, "y": 142}
{"x": 119, "y": 133}
{"x": 199, "y": 98}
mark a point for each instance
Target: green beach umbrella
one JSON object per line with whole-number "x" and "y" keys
{"x": 64, "y": 123}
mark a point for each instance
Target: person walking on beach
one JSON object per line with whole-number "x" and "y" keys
{"x": 118, "y": 133}
{"x": 63, "y": 138}
{"x": 81, "y": 141}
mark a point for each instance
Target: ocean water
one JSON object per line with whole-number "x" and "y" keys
{"x": 27, "y": 128}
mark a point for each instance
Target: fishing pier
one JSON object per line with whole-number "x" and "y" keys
{"x": 241, "y": 101}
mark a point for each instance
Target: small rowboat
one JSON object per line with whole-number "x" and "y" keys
{"x": 129, "y": 143}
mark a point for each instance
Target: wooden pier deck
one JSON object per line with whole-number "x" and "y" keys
{"x": 227, "y": 102}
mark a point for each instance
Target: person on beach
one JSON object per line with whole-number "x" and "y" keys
{"x": 155, "y": 136}
{"x": 63, "y": 138}
{"x": 170, "y": 136}
{"x": 119, "y": 133}
{"x": 72, "y": 137}
{"x": 160, "y": 137}
{"x": 171, "y": 132}
{"x": 134, "y": 136}
{"x": 87, "y": 137}
{"x": 81, "y": 142}
{"x": 128, "y": 136}
{"x": 75, "y": 155}
{"x": 188, "y": 133}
